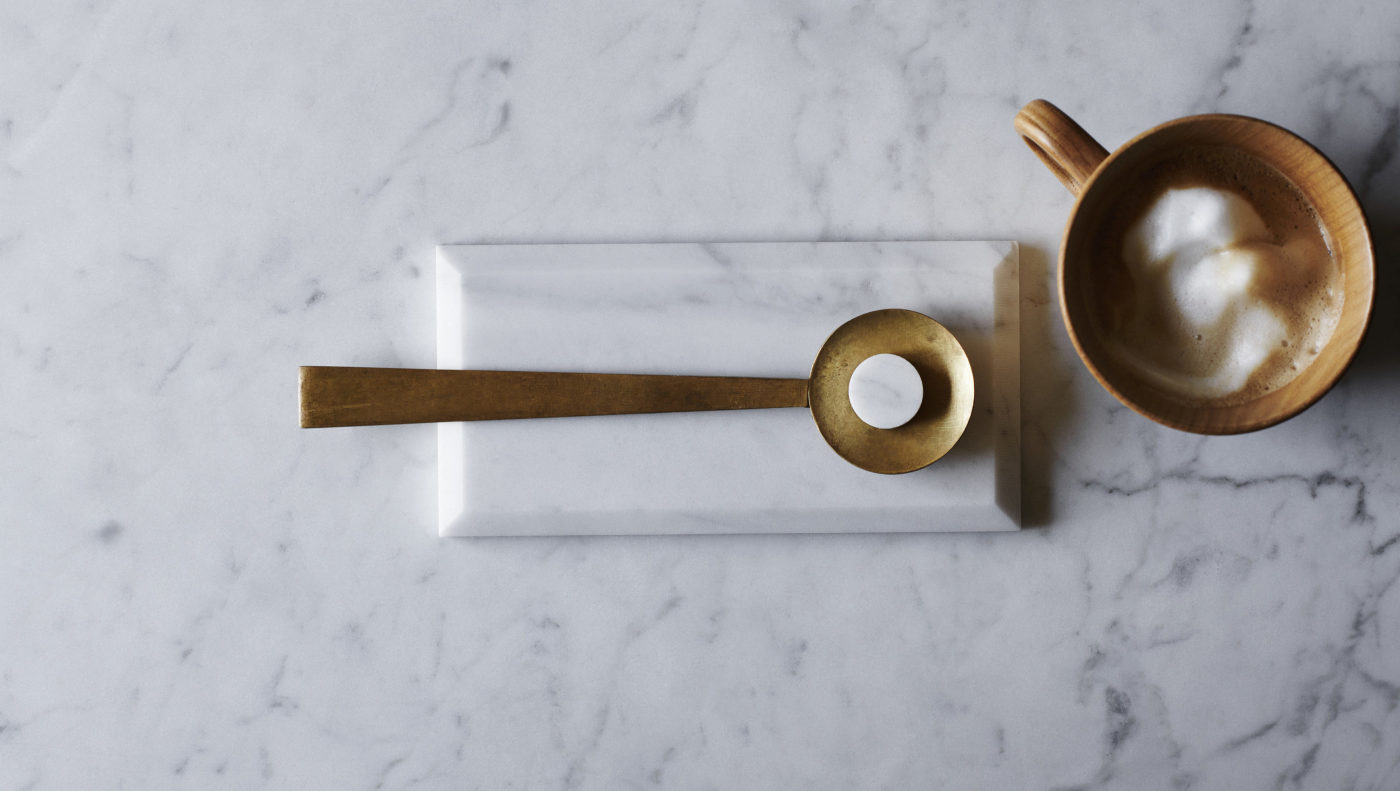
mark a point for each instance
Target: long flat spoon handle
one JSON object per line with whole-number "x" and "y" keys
{"x": 339, "y": 396}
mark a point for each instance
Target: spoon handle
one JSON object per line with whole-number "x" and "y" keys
{"x": 336, "y": 396}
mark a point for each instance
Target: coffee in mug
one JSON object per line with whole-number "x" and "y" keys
{"x": 1226, "y": 287}
{"x": 1216, "y": 273}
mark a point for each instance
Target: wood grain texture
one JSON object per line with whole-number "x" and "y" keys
{"x": 1063, "y": 145}
{"x": 1083, "y": 256}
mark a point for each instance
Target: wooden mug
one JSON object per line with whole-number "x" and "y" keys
{"x": 1098, "y": 179}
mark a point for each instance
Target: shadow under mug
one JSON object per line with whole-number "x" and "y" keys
{"x": 1099, "y": 179}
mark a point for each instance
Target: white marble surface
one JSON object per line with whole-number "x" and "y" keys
{"x": 197, "y": 197}
{"x": 716, "y": 309}
{"x": 886, "y": 391}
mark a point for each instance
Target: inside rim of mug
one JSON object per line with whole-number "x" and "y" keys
{"x": 1339, "y": 212}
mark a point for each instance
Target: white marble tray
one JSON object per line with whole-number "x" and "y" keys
{"x": 744, "y": 309}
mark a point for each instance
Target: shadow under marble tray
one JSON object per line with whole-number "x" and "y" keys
{"x": 741, "y": 309}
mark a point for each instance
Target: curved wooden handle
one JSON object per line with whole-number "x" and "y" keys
{"x": 1063, "y": 145}
{"x": 334, "y": 396}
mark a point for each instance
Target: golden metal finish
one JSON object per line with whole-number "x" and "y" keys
{"x": 336, "y": 396}
{"x": 333, "y": 396}
{"x": 948, "y": 389}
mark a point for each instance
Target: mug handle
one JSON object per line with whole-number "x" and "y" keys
{"x": 1063, "y": 145}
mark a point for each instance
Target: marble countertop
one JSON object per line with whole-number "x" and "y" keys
{"x": 197, "y": 198}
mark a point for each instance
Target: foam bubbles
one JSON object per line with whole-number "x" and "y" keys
{"x": 1218, "y": 300}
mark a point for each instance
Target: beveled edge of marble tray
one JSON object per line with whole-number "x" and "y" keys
{"x": 1005, "y": 514}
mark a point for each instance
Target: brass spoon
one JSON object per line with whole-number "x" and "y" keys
{"x": 338, "y": 396}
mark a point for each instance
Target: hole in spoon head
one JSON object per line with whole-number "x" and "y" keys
{"x": 885, "y": 391}
{"x": 941, "y": 414}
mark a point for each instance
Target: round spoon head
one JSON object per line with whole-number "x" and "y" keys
{"x": 947, "y": 391}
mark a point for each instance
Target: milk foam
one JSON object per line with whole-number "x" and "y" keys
{"x": 1220, "y": 305}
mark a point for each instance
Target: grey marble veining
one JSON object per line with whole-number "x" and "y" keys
{"x": 761, "y": 309}
{"x": 196, "y": 198}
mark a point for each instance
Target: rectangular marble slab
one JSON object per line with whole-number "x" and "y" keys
{"x": 741, "y": 309}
